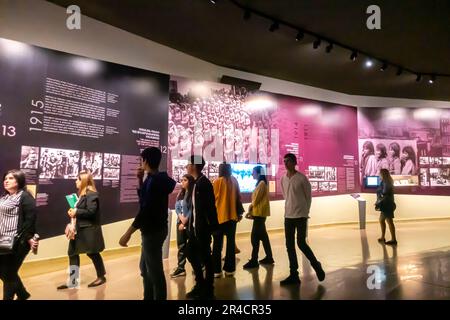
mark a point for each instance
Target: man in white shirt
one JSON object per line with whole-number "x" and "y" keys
{"x": 297, "y": 194}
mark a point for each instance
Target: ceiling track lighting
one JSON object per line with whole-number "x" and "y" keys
{"x": 247, "y": 15}
{"x": 432, "y": 79}
{"x": 274, "y": 26}
{"x": 317, "y": 43}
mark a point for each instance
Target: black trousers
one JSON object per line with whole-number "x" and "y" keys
{"x": 299, "y": 225}
{"x": 97, "y": 260}
{"x": 227, "y": 229}
{"x": 182, "y": 239}
{"x": 9, "y": 268}
{"x": 199, "y": 254}
{"x": 151, "y": 265}
{"x": 259, "y": 233}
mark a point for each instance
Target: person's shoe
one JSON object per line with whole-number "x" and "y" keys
{"x": 319, "y": 271}
{"x": 195, "y": 293}
{"x": 292, "y": 279}
{"x": 178, "y": 272}
{"x": 97, "y": 282}
{"x": 251, "y": 264}
{"x": 23, "y": 295}
{"x": 218, "y": 275}
{"x": 267, "y": 260}
{"x": 391, "y": 243}
{"x": 229, "y": 274}
{"x": 62, "y": 287}
{"x": 382, "y": 240}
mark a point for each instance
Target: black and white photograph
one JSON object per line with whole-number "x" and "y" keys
{"x": 424, "y": 161}
{"x": 398, "y": 156}
{"x": 29, "y": 157}
{"x": 440, "y": 177}
{"x": 58, "y": 163}
{"x": 424, "y": 177}
{"x": 316, "y": 173}
{"x": 178, "y": 169}
{"x": 92, "y": 162}
{"x": 324, "y": 186}
{"x": 111, "y": 174}
{"x": 330, "y": 173}
{"x": 333, "y": 186}
{"x": 111, "y": 160}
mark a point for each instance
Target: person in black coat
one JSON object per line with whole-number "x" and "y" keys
{"x": 202, "y": 224}
{"x": 386, "y": 205}
{"x": 17, "y": 219}
{"x": 88, "y": 236}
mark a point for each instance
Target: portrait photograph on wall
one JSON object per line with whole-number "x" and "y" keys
{"x": 412, "y": 143}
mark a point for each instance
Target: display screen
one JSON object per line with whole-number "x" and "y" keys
{"x": 243, "y": 173}
{"x": 372, "y": 181}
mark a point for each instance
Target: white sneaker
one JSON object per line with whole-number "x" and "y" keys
{"x": 218, "y": 275}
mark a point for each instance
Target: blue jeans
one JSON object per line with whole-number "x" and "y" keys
{"x": 151, "y": 265}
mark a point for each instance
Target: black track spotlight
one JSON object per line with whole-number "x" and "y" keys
{"x": 329, "y": 47}
{"x": 419, "y": 77}
{"x": 354, "y": 55}
{"x": 399, "y": 71}
{"x": 432, "y": 79}
{"x": 317, "y": 43}
{"x": 300, "y": 36}
{"x": 213, "y": 1}
{"x": 274, "y": 26}
{"x": 384, "y": 66}
{"x": 247, "y": 15}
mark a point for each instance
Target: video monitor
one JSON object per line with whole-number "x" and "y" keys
{"x": 372, "y": 181}
{"x": 243, "y": 173}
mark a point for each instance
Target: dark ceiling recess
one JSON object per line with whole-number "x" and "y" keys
{"x": 249, "y": 85}
{"x": 413, "y": 42}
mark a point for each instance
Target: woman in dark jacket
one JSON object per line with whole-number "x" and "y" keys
{"x": 386, "y": 204}
{"x": 88, "y": 237}
{"x": 17, "y": 220}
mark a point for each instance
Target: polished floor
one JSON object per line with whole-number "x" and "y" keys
{"x": 357, "y": 267}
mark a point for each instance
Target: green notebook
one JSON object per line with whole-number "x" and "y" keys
{"x": 72, "y": 199}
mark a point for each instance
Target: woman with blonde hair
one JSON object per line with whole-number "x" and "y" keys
{"x": 88, "y": 237}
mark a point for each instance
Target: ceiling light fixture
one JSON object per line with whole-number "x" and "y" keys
{"x": 354, "y": 55}
{"x": 399, "y": 71}
{"x": 274, "y": 26}
{"x": 329, "y": 48}
{"x": 317, "y": 43}
{"x": 384, "y": 66}
{"x": 419, "y": 77}
{"x": 369, "y": 63}
{"x": 300, "y": 36}
{"x": 432, "y": 79}
{"x": 247, "y": 15}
